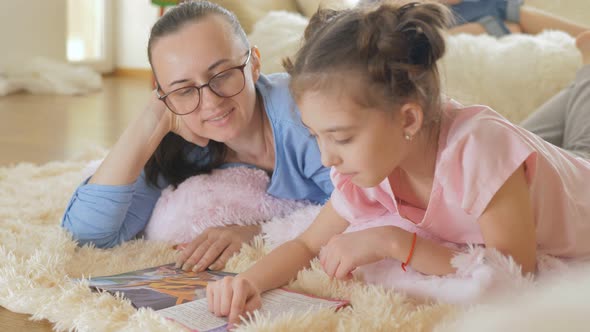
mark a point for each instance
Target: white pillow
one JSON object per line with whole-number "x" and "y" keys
{"x": 249, "y": 12}
{"x": 514, "y": 75}
{"x": 277, "y": 35}
{"x": 309, "y": 7}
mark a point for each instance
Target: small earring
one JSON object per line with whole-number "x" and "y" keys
{"x": 408, "y": 137}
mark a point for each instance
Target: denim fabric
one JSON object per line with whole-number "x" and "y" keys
{"x": 491, "y": 14}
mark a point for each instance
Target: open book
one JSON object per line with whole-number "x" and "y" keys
{"x": 196, "y": 316}
{"x": 181, "y": 296}
{"x": 158, "y": 287}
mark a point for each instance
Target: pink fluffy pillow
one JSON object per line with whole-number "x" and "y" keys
{"x": 232, "y": 196}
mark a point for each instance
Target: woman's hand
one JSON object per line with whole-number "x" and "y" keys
{"x": 178, "y": 127}
{"x": 214, "y": 247}
{"x": 173, "y": 122}
{"x": 346, "y": 252}
{"x": 233, "y": 297}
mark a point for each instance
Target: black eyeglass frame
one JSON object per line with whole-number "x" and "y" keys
{"x": 199, "y": 88}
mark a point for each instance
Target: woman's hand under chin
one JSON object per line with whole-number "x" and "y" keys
{"x": 178, "y": 127}
{"x": 171, "y": 122}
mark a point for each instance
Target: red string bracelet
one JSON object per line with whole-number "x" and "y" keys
{"x": 404, "y": 264}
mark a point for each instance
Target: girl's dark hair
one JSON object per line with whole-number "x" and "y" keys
{"x": 170, "y": 160}
{"x": 393, "y": 47}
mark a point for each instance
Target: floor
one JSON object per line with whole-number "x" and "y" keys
{"x": 38, "y": 129}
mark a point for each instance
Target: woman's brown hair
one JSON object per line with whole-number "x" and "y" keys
{"x": 176, "y": 159}
{"x": 392, "y": 48}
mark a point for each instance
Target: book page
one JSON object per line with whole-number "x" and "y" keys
{"x": 195, "y": 315}
{"x": 278, "y": 301}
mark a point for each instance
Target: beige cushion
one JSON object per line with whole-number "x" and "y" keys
{"x": 250, "y": 11}
{"x": 309, "y": 7}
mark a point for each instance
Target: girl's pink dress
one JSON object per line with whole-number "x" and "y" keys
{"x": 478, "y": 150}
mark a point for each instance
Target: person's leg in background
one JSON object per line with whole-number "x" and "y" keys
{"x": 502, "y": 17}
{"x": 548, "y": 121}
{"x": 576, "y": 137}
{"x": 533, "y": 21}
{"x": 480, "y": 16}
{"x": 565, "y": 119}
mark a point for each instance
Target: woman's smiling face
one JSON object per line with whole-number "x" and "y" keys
{"x": 194, "y": 54}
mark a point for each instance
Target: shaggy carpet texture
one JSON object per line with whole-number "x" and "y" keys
{"x": 38, "y": 260}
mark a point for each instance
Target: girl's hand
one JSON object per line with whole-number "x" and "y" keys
{"x": 173, "y": 122}
{"x": 214, "y": 247}
{"x": 346, "y": 252}
{"x": 233, "y": 297}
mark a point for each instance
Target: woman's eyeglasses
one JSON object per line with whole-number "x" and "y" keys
{"x": 225, "y": 84}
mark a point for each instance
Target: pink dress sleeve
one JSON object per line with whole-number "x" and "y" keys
{"x": 482, "y": 152}
{"x": 354, "y": 203}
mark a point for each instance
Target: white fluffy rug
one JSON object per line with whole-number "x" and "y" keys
{"x": 38, "y": 258}
{"x": 39, "y": 75}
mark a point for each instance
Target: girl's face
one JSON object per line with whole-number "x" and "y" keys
{"x": 191, "y": 57}
{"x": 366, "y": 144}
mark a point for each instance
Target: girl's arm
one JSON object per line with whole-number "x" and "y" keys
{"x": 295, "y": 255}
{"x": 508, "y": 222}
{"x": 233, "y": 296}
{"x": 507, "y": 225}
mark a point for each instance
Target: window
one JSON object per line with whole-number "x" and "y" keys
{"x": 89, "y": 33}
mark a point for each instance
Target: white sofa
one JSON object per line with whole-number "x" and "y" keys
{"x": 514, "y": 75}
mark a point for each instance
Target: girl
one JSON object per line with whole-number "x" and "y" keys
{"x": 212, "y": 108}
{"x": 408, "y": 159}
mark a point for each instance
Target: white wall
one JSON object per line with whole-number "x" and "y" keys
{"x": 133, "y": 22}
{"x": 575, "y": 10}
{"x": 32, "y": 28}
{"x": 39, "y": 28}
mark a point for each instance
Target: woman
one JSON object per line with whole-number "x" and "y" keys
{"x": 212, "y": 108}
